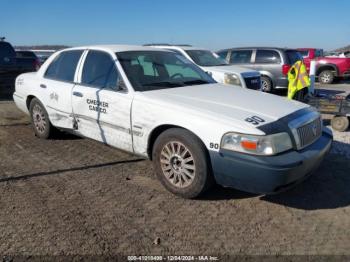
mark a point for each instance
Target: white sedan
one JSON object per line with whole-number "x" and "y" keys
{"x": 159, "y": 105}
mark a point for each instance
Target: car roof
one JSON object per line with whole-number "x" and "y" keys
{"x": 115, "y": 48}
{"x": 258, "y": 47}
{"x": 183, "y": 47}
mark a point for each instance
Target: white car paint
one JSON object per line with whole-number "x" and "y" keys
{"x": 217, "y": 72}
{"x": 209, "y": 110}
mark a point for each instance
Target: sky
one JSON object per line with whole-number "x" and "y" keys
{"x": 212, "y": 24}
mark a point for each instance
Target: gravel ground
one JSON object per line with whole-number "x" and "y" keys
{"x": 73, "y": 196}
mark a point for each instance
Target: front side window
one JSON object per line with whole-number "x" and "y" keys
{"x": 267, "y": 57}
{"x": 152, "y": 70}
{"x": 99, "y": 70}
{"x": 205, "y": 58}
{"x": 64, "y": 65}
{"x": 240, "y": 56}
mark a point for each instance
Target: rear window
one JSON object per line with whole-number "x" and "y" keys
{"x": 319, "y": 53}
{"x": 293, "y": 56}
{"x": 304, "y": 53}
{"x": 267, "y": 57}
{"x": 25, "y": 54}
{"x": 64, "y": 65}
{"x": 6, "y": 50}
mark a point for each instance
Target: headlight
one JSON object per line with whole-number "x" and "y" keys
{"x": 257, "y": 145}
{"x": 232, "y": 79}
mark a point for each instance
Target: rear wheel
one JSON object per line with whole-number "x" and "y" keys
{"x": 340, "y": 123}
{"x": 40, "y": 119}
{"x": 326, "y": 77}
{"x": 266, "y": 84}
{"x": 181, "y": 163}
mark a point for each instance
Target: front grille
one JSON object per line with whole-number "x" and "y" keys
{"x": 309, "y": 133}
{"x": 253, "y": 82}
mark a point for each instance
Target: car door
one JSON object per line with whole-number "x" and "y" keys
{"x": 57, "y": 84}
{"x": 101, "y": 104}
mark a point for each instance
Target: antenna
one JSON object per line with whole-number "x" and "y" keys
{"x": 2, "y": 38}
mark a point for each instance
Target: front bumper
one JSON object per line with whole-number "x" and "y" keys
{"x": 268, "y": 174}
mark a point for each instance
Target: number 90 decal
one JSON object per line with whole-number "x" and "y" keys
{"x": 255, "y": 120}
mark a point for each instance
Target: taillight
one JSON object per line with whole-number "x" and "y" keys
{"x": 36, "y": 64}
{"x": 285, "y": 69}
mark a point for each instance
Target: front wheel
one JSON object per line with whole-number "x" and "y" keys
{"x": 266, "y": 84}
{"x": 181, "y": 163}
{"x": 40, "y": 119}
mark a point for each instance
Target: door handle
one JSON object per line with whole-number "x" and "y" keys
{"x": 78, "y": 94}
{"x": 43, "y": 86}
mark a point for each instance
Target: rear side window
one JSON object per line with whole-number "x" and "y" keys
{"x": 267, "y": 57}
{"x": 240, "y": 56}
{"x": 293, "y": 56}
{"x": 222, "y": 54}
{"x": 64, "y": 65}
{"x": 99, "y": 70}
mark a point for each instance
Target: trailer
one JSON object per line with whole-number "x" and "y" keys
{"x": 336, "y": 105}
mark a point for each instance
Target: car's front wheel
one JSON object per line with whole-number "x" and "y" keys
{"x": 181, "y": 163}
{"x": 266, "y": 84}
{"x": 40, "y": 119}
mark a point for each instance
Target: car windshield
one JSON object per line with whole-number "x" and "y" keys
{"x": 152, "y": 70}
{"x": 205, "y": 58}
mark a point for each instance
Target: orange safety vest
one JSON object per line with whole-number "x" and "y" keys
{"x": 298, "y": 78}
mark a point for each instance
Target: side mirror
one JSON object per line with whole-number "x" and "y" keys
{"x": 121, "y": 85}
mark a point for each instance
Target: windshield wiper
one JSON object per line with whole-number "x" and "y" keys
{"x": 165, "y": 84}
{"x": 196, "y": 81}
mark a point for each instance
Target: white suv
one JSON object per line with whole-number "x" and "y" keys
{"x": 217, "y": 67}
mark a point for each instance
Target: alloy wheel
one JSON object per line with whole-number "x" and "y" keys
{"x": 177, "y": 164}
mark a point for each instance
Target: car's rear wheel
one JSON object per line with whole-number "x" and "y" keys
{"x": 266, "y": 84}
{"x": 181, "y": 163}
{"x": 326, "y": 77}
{"x": 40, "y": 119}
{"x": 340, "y": 123}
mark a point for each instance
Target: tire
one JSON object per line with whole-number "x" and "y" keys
{"x": 266, "y": 84}
{"x": 326, "y": 77}
{"x": 340, "y": 123}
{"x": 170, "y": 152}
{"x": 40, "y": 120}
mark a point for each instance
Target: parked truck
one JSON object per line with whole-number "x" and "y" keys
{"x": 327, "y": 68}
{"x": 12, "y": 65}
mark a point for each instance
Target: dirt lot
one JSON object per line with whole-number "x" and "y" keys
{"x": 73, "y": 196}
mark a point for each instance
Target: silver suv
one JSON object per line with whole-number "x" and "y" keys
{"x": 272, "y": 63}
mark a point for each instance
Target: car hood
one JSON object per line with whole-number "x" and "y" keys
{"x": 224, "y": 103}
{"x": 230, "y": 69}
